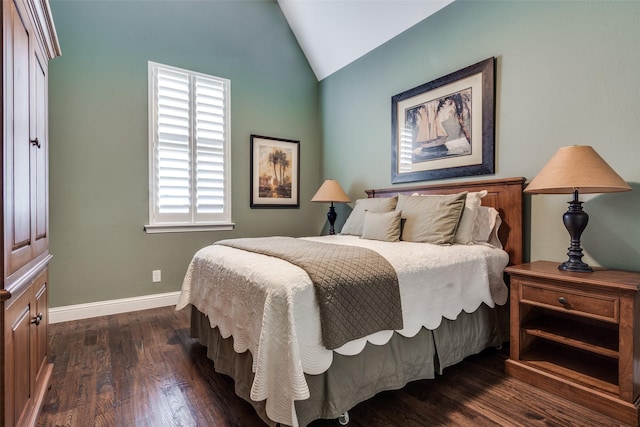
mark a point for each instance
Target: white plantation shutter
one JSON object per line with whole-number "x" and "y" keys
{"x": 189, "y": 152}
{"x": 172, "y": 147}
{"x": 210, "y": 96}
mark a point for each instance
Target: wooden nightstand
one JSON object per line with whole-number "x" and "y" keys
{"x": 578, "y": 335}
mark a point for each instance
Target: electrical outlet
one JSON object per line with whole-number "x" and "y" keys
{"x": 156, "y": 276}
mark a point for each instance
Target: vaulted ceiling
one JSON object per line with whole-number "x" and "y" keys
{"x": 334, "y": 33}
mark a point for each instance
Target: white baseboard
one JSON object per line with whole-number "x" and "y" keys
{"x": 103, "y": 308}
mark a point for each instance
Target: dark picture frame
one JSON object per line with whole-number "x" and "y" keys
{"x": 445, "y": 128}
{"x": 275, "y": 172}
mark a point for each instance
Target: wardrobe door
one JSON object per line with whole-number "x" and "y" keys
{"x": 18, "y": 221}
{"x": 39, "y": 156}
{"x": 40, "y": 335}
{"x": 18, "y": 360}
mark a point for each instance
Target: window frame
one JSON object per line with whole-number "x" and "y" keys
{"x": 193, "y": 224}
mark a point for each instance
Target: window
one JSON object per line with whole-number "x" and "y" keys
{"x": 189, "y": 145}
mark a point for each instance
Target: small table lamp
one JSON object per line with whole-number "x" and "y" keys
{"x": 575, "y": 169}
{"x": 330, "y": 192}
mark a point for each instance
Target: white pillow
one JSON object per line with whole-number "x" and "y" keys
{"x": 486, "y": 226}
{"x": 383, "y": 226}
{"x": 464, "y": 233}
{"x": 355, "y": 222}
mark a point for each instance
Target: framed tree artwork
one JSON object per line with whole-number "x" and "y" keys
{"x": 275, "y": 172}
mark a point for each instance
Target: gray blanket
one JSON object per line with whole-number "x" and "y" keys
{"x": 356, "y": 288}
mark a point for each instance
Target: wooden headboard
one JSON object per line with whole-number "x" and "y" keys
{"x": 503, "y": 194}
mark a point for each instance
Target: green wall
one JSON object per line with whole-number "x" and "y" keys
{"x": 567, "y": 74}
{"x": 98, "y": 134}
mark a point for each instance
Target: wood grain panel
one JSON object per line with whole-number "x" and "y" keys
{"x": 17, "y": 351}
{"x": 40, "y": 333}
{"x": 602, "y": 307}
{"x": 39, "y": 155}
{"x": 18, "y": 202}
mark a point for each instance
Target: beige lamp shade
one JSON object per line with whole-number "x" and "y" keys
{"x": 577, "y": 167}
{"x": 330, "y": 191}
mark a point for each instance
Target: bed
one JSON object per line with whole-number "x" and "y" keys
{"x": 258, "y": 315}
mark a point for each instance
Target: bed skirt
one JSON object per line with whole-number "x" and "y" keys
{"x": 387, "y": 367}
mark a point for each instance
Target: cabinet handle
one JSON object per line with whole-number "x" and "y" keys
{"x": 36, "y": 320}
{"x": 36, "y": 142}
{"x": 562, "y": 300}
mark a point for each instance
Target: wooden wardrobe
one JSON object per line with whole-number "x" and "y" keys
{"x": 29, "y": 41}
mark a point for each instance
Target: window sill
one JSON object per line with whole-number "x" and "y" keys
{"x": 185, "y": 228}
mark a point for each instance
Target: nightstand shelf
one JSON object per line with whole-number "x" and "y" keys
{"x": 578, "y": 335}
{"x": 600, "y": 340}
{"x": 581, "y": 367}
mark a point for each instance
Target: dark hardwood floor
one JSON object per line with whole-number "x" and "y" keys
{"x": 142, "y": 369}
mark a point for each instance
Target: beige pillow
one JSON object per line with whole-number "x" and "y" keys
{"x": 431, "y": 218}
{"x": 383, "y": 226}
{"x": 486, "y": 226}
{"x": 464, "y": 233}
{"x": 355, "y": 222}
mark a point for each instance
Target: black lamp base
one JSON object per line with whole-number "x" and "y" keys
{"x": 331, "y": 216}
{"x": 575, "y": 266}
{"x": 575, "y": 219}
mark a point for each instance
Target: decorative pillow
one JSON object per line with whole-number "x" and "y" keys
{"x": 355, "y": 222}
{"x": 486, "y": 226}
{"x": 464, "y": 233}
{"x": 431, "y": 218}
{"x": 383, "y": 226}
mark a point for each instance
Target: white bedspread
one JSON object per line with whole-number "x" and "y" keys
{"x": 268, "y": 306}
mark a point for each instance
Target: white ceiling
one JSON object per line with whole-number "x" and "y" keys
{"x": 334, "y": 33}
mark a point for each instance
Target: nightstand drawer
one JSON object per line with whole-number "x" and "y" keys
{"x": 585, "y": 304}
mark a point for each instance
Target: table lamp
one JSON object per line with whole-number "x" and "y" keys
{"x": 330, "y": 192}
{"x": 576, "y": 169}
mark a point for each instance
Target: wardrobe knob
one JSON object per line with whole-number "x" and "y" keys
{"x": 36, "y": 320}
